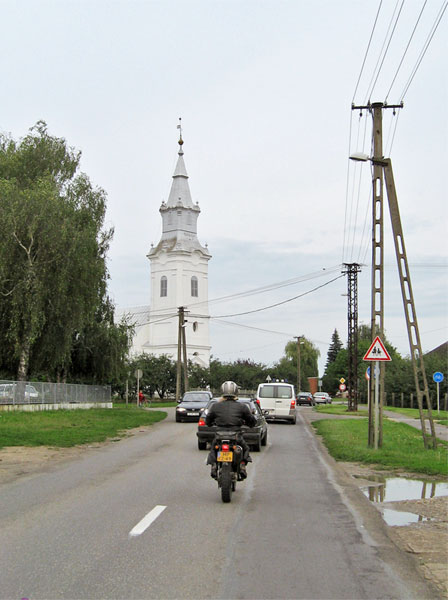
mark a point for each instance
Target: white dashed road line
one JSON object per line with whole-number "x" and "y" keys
{"x": 147, "y": 520}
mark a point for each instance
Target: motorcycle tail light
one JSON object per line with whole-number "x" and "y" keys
{"x": 201, "y": 423}
{"x": 225, "y": 447}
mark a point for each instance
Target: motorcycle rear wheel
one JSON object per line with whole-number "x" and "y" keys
{"x": 226, "y": 482}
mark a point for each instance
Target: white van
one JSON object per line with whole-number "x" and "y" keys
{"x": 278, "y": 400}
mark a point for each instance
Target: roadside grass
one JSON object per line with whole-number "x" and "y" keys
{"x": 413, "y": 413}
{"x": 340, "y": 409}
{"x": 66, "y": 428}
{"x": 346, "y": 440}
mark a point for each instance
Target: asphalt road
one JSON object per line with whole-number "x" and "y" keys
{"x": 289, "y": 532}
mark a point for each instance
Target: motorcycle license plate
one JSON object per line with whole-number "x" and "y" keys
{"x": 225, "y": 456}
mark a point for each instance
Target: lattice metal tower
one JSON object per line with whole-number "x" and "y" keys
{"x": 352, "y": 270}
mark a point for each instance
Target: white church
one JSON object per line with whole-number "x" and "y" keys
{"x": 179, "y": 278}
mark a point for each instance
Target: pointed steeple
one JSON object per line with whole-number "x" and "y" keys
{"x": 179, "y": 215}
{"x": 180, "y": 190}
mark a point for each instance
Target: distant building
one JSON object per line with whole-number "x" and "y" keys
{"x": 179, "y": 277}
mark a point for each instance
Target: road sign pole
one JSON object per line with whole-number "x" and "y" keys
{"x": 438, "y": 377}
{"x": 368, "y": 397}
{"x": 377, "y": 412}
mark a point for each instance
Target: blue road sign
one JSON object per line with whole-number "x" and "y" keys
{"x": 438, "y": 377}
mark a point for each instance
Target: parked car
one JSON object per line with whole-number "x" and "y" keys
{"x": 322, "y": 398}
{"x": 305, "y": 398}
{"x": 191, "y": 405}
{"x": 278, "y": 400}
{"x": 255, "y": 436}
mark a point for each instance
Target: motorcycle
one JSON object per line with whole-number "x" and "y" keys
{"x": 228, "y": 456}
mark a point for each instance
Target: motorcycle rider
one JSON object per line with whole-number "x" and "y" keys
{"x": 230, "y": 414}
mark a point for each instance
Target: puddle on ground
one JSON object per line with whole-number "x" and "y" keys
{"x": 393, "y": 489}
{"x": 400, "y": 518}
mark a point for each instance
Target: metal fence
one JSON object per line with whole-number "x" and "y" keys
{"x": 36, "y": 392}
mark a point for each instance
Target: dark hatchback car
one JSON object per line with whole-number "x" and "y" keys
{"x": 191, "y": 405}
{"x": 305, "y": 398}
{"x": 255, "y": 436}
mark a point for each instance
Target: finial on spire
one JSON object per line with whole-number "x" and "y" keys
{"x": 181, "y": 141}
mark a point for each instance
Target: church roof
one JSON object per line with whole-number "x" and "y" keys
{"x": 180, "y": 190}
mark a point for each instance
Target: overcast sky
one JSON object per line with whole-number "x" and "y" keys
{"x": 264, "y": 89}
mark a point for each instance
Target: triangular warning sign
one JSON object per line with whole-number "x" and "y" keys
{"x": 377, "y": 351}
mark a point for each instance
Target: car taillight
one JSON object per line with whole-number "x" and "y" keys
{"x": 225, "y": 447}
{"x": 293, "y": 403}
{"x": 201, "y": 423}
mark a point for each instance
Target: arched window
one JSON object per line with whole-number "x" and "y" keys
{"x": 194, "y": 286}
{"x": 163, "y": 286}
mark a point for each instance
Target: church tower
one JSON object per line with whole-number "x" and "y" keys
{"x": 179, "y": 275}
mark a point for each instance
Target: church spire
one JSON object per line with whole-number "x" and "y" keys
{"x": 180, "y": 190}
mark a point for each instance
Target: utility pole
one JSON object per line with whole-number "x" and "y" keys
{"x": 181, "y": 354}
{"x": 298, "y": 338}
{"x": 352, "y": 270}
{"x": 184, "y": 344}
{"x": 377, "y": 290}
{"x": 382, "y": 166}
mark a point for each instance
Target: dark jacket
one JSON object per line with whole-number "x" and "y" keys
{"x": 230, "y": 413}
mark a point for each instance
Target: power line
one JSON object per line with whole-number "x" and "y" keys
{"x": 387, "y": 47}
{"x": 425, "y": 47}
{"x": 282, "y": 333}
{"x": 406, "y": 49}
{"x": 267, "y": 288}
{"x": 367, "y": 50}
{"x": 278, "y": 303}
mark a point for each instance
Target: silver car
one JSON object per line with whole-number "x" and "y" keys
{"x": 322, "y": 398}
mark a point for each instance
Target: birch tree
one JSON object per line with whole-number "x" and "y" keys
{"x": 52, "y": 250}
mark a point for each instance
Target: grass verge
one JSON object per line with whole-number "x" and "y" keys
{"x": 413, "y": 413}
{"x": 346, "y": 440}
{"x": 66, "y": 428}
{"x": 340, "y": 409}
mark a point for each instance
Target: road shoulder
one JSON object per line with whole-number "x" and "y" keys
{"x": 423, "y": 546}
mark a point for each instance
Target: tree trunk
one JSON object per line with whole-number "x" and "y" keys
{"x": 22, "y": 371}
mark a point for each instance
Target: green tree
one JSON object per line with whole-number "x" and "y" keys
{"x": 99, "y": 351}
{"x": 286, "y": 367}
{"x": 159, "y": 374}
{"x": 246, "y": 373}
{"x": 52, "y": 252}
{"x": 335, "y": 346}
{"x": 198, "y": 377}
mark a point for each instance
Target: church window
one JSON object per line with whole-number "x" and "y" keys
{"x": 163, "y": 286}
{"x": 194, "y": 286}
